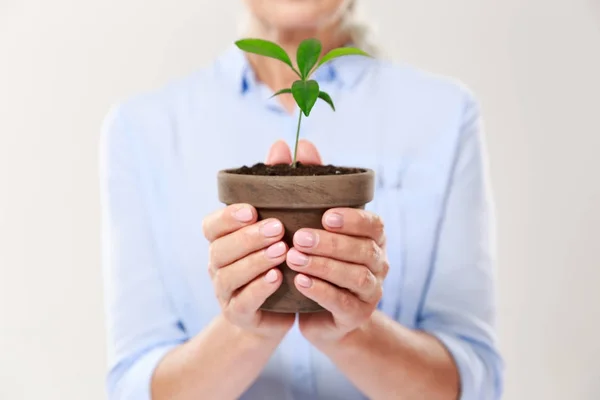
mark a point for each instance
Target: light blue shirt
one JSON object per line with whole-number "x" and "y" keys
{"x": 421, "y": 134}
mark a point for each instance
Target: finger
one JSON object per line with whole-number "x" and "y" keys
{"x": 308, "y": 153}
{"x": 355, "y": 222}
{"x": 226, "y": 220}
{"x": 243, "y": 242}
{"x": 345, "y": 307}
{"x": 279, "y": 153}
{"x": 232, "y": 277}
{"x": 356, "y": 278}
{"x": 248, "y": 300}
{"x": 351, "y": 249}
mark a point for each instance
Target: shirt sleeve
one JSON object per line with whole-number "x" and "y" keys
{"x": 140, "y": 322}
{"x": 459, "y": 304}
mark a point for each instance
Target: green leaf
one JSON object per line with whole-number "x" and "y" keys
{"x": 306, "y": 94}
{"x": 342, "y": 51}
{"x": 265, "y": 48}
{"x": 282, "y": 91}
{"x": 327, "y": 98}
{"x": 307, "y": 56}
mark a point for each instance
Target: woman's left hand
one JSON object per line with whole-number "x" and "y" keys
{"x": 342, "y": 268}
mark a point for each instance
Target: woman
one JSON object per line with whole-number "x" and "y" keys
{"x": 411, "y": 313}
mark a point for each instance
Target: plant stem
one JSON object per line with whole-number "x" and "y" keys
{"x": 297, "y": 137}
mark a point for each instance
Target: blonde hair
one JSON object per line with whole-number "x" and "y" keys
{"x": 361, "y": 32}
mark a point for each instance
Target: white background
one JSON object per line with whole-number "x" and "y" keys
{"x": 534, "y": 65}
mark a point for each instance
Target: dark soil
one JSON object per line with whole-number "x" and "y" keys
{"x": 300, "y": 170}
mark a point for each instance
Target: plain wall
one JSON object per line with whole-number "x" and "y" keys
{"x": 533, "y": 64}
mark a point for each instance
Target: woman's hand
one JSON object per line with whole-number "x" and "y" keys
{"x": 342, "y": 268}
{"x": 243, "y": 256}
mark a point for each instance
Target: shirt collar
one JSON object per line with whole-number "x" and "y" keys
{"x": 344, "y": 72}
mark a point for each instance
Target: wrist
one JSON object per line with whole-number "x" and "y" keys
{"x": 351, "y": 340}
{"x": 258, "y": 338}
{"x": 254, "y": 338}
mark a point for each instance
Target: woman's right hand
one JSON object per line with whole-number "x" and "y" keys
{"x": 244, "y": 253}
{"x": 243, "y": 256}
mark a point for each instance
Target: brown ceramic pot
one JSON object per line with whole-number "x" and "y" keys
{"x": 298, "y": 202}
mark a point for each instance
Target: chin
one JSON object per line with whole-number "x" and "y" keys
{"x": 294, "y": 21}
{"x": 295, "y": 14}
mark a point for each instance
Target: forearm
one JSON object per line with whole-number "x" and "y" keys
{"x": 220, "y": 363}
{"x": 386, "y": 360}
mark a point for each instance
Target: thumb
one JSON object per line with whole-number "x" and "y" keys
{"x": 279, "y": 153}
{"x": 308, "y": 153}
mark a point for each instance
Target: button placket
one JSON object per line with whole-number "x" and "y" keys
{"x": 302, "y": 379}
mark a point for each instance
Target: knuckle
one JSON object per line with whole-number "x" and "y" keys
{"x": 364, "y": 219}
{"x": 220, "y": 283}
{"x": 364, "y": 279}
{"x": 212, "y": 254}
{"x": 378, "y": 225}
{"x": 256, "y": 264}
{"x": 345, "y": 301}
{"x": 385, "y": 267}
{"x": 371, "y": 251}
{"x": 238, "y": 307}
{"x": 223, "y": 285}
{"x": 321, "y": 266}
{"x": 377, "y": 295}
{"x": 334, "y": 244}
{"x": 205, "y": 229}
{"x": 247, "y": 238}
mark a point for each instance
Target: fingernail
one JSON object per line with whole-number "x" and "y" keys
{"x": 334, "y": 220}
{"x": 244, "y": 214}
{"x": 304, "y": 281}
{"x": 305, "y": 239}
{"x": 276, "y": 250}
{"x": 272, "y": 228}
{"x": 271, "y": 276}
{"x": 297, "y": 258}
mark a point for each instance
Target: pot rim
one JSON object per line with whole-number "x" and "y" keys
{"x": 297, "y": 192}
{"x": 364, "y": 171}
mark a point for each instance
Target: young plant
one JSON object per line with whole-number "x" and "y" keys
{"x": 305, "y": 91}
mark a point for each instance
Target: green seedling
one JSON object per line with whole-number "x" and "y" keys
{"x": 305, "y": 91}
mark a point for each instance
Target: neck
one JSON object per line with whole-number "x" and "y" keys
{"x": 275, "y": 74}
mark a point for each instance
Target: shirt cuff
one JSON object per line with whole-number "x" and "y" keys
{"x": 135, "y": 382}
{"x": 473, "y": 370}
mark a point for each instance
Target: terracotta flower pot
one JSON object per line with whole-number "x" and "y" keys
{"x": 298, "y": 202}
